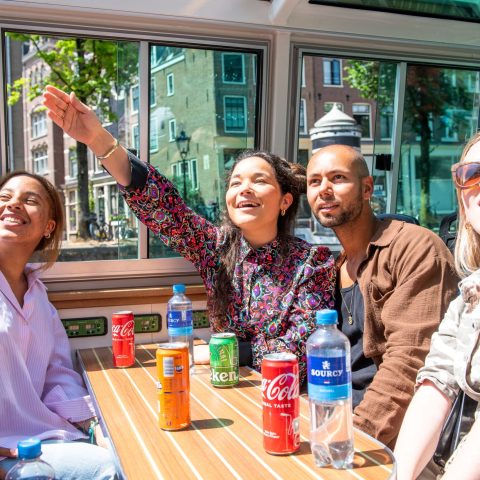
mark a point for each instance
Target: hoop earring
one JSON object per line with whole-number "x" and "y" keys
{"x": 282, "y": 212}
{"x": 47, "y": 236}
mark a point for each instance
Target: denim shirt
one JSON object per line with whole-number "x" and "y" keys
{"x": 454, "y": 359}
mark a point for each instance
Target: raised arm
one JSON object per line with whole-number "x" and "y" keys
{"x": 80, "y": 122}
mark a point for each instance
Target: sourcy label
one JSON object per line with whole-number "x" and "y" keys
{"x": 329, "y": 379}
{"x": 180, "y": 319}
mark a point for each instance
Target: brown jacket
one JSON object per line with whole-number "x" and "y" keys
{"x": 407, "y": 281}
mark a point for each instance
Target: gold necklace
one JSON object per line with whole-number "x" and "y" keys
{"x": 349, "y": 310}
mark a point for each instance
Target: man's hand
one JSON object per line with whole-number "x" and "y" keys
{"x": 8, "y": 452}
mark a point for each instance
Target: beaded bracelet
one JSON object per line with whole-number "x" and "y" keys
{"x": 115, "y": 146}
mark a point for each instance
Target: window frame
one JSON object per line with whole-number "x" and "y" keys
{"x": 170, "y": 84}
{"x": 370, "y": 137}
{"x": 172, "y": 133}
{"x": 331, "y": 60}
{"x": 146, "y": 271}
{"x": 230, "y": 82}
{"x": 245, "y": 117}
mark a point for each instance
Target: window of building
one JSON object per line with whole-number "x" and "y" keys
{"x": 170, "y": 84}
{"x": 72, "y": 212}
{"x": 327, "y": 106}
{"x": 361, "y": 112}
{"x": 135, "y": 137}
{"x": 197, "y": 81}
{"x": 135, "y": 96}
{"x": 386, "y": 122}
{"x": 172, "y": 130}
{"x": 39, "y": 124}
{"x": 153, "y": 91}
{"x": 40, "y": 160}
{"x": 235, "y": 114}
{"x": 194, "y": 173}
{"x": 302, "y": 126}
{"x": 153, "y": 134}
{"x": 332, "y": 72}
{"x": 233, "y": 65}
{"x": 72, "y": 162}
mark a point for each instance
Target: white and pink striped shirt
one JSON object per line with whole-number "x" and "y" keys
{"x": 40, "y": 393}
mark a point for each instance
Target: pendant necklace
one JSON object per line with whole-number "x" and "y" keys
{"x": 349, "y": 310}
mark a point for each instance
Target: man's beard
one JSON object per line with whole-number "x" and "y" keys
{"x": 351, "y": 213}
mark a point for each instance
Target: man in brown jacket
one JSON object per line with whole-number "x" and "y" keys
{"x": 395, "y": 282}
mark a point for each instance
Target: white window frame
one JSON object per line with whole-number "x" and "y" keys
{"x": 134, "y": 88}
{"x": 69, "y": 204}
{"x": 193, "y": 167}
{"x": 153, "y": 144}
{"x": 39, "y": 124}
{"x": 153, "y": 90}
{"x": 170, "y": 84}
{"x": 369, "y": 117}
{"x": 135, "y": 126}
{"x": 242, "y": 82}
{"x": 330, "y": 61}
{"x": 227, "y": 130}
{"x": 172, "y": 130}
{"x": 148, "y": 271}
{"x": 40, "y": 162}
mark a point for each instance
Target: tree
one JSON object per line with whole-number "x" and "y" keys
{"x": 96, "y": 70}
{"x": 431, "y": 97}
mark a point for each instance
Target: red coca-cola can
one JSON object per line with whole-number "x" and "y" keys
{"x": 123, "y": 339}
{"x": 281, "y": 403}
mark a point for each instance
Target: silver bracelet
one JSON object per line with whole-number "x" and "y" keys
{"x": 115, "y": 146}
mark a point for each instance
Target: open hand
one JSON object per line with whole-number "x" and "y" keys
{"x": 74, "y": 117}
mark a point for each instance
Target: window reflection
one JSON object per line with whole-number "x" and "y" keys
{"x": 209, "y": 96}
{"x": 103, "y": 74}
{"x": 440, "y": 114}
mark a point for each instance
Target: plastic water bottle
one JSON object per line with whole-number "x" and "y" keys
{"x": 330, "y": 393}
{"x": 180, "y": 320}
{"x": 30, "y": 465}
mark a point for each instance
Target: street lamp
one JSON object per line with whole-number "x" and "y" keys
{"x": 183, "y": 145}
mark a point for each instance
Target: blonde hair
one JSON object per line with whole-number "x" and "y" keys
{"x": 467, "y": 246}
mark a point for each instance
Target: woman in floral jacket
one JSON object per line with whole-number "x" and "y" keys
{"x": 454, "y": 359}
{"x": 261, "y": 283}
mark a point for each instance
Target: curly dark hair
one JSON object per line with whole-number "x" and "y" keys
{"x": 292, "y": 179}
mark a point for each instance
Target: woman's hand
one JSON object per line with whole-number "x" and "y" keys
{"x": 80, "y": 122}
{"x": 76, "y": 119}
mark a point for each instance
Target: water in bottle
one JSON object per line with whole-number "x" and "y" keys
{"x": 180, "y": 320}
{"x": 330, "y": 393}
{"x": 30, "y": 465}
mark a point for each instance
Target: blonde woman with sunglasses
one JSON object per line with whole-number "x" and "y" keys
{"x": 454, "y": 359}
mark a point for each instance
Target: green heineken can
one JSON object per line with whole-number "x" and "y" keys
{"x": 224, "y": 360}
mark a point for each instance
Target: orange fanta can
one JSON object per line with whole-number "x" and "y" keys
{"x": 173, "y": 386}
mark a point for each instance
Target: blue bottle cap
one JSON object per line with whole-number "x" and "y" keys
{"x": 29, "y": 448}
{"x": 326, "y": 317}
{"x": 179, "y": 288}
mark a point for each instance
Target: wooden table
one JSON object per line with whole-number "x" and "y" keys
{"x": 225, "y": 439}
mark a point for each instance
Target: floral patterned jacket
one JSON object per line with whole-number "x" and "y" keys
{"x": 274, "y": 298}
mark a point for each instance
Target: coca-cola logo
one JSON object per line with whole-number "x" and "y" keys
{"x": 283, "y": 386}
{"x": 125, "y": 330}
